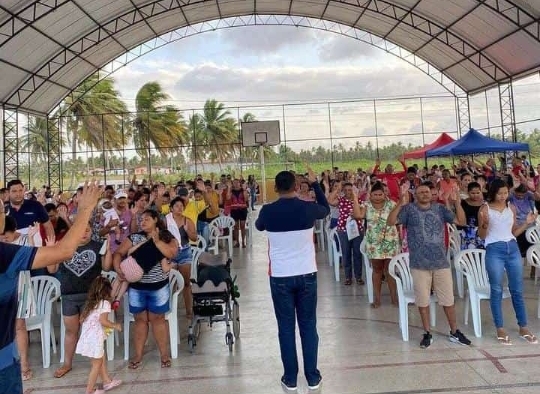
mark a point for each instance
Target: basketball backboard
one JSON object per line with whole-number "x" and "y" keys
{"x": 260, "y": 133}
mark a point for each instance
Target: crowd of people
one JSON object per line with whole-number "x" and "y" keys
{"x": 155, "y": 224}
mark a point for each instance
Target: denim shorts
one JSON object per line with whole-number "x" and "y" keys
{"x": 155, "y": 301}
{"x": 10, "y": 379}
{"x": 73, "y": 304}
{"x": 184, "y": 256}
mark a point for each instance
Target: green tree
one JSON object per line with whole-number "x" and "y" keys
{"x": 159, "y": 126}
{"x": 37, "y": 139}
{"x": 86, "y": 124}
{"x": 220, "y": 132}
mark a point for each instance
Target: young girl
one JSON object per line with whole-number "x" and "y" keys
{"x": 95, "y": 323}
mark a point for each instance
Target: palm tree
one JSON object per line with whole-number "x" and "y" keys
{"x": 220, "y": 131}
{"x": 37, "y": 138}
{"x": 161, "y": 127}
{"x": 86, "y": 123}
{"x": 199, "y": 147}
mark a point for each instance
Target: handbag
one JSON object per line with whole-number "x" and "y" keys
{"x": 352, "y": 228}
{"x": 133, "y": 272}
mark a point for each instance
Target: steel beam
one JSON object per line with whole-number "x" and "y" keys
{"x": 11, "y": 143}
{"x": 508, "y": 116}
{"x": 54, "y": 153}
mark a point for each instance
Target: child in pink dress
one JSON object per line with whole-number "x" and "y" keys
{"x": 95, "y": 328}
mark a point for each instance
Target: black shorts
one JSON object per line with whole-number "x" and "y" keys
{"x": 239, "y": 215}
{"x": 73, "y": 304}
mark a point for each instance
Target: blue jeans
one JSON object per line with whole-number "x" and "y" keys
{"x": 10, "y": 379}
{"x": 352, "y": 258}
{"x": 295, "y": 298}
{"x": 203, "y": 230}
{"x": 501, "y": 256}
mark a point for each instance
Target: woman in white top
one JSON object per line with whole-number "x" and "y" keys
{"x": 497, "y": 225}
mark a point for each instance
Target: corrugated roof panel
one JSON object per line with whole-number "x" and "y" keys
{"x": 103, "y": 10}
{"x": 233, "y": 7}
{"x": 65, "y": 24}
{"x": 273, "y": 7}
{"x": 201, "y": 13}
{"x": 466, "y": 74}
{"x": 479, "y": 25}
{"x": 346, "y": 14}
{"x": 375, "y": 23}
{"x": 532, "y": 6}
{"x": 166, "y": 22}
{"x": 517, "y": 51}
{"x": 314, "y": 7}
{"x": 45, "y": 98}
{"x": 29, "y": 49}
{"x": 11, "y": 74}
{"x": 414, "y": 38}
{"x": 439, "y": 54}
{"x": 134, "y": 35}
{"x": 72, "y": 73}
{"x": 444, "y": 12}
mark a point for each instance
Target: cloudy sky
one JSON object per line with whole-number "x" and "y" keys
{"x": 260, "y": 67}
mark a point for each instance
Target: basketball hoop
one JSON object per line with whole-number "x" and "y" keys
{"x": 261, "y": 134}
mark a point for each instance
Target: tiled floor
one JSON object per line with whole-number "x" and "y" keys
{"x": 361, "y": 350}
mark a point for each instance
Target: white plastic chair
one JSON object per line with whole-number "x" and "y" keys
{"x": 368, "y": 269}
{"x": 318, "y": 230}
{"x": 213, "y": 241}
{"x": 399, "y": 270}
{"x": 472, "y": 264}
{"x": 249, "y": 230}
{"x": 533, "y": 259}
{"x": 454, "y": 247}
{"x": 46, "y": 291}
{"x": 336, "y": 252}
{"x": 200, "y": 243}
{"x": 176, "y": 284}
{"x": 111, "y": 340}
{"x": 195, "y": 261}
{"x": 328, "y": 240}
{"x": 532, "y": 235}
{"x": 222, "y": 223}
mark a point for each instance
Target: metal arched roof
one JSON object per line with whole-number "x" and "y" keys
{"x": 48, "y": 47}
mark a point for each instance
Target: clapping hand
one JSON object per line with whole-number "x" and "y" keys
{"x": 312, "y": 178}
{"x": 89, "y": 196}
{"x": 50, "y": 240}
{"x": 404, "y": 194}
{"x": 62, "y": 211}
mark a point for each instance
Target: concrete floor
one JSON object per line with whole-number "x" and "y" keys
{"x": 360, "y": 351}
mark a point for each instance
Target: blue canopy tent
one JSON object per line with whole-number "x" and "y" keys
{"x": 473, "y": 143}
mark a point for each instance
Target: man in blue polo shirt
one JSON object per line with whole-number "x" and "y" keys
{"x": 289, "y": 224}
{"x": 26, "y": 212}
{"x": 14, "y": 259}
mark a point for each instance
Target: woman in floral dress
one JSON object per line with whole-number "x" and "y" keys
{"x": 382, "y": 241}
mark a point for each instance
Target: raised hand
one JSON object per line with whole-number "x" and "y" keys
{"x": 312, "y": 178}
{"x": 62, "y": 211}
{"x": 50, "y": 240}
{"x": 90, "y": 194}
{"x": 483, "y": 217}
{"x": 404, "y": 194}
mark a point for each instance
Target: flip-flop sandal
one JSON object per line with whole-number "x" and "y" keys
{"x": 27, "y": 375}
{"x": 504, "y": 340}
{"x": 529, "y": 338}
{"x": 166, "y": 364}
{"x": 60, "y": 372}
{"x": 134, "y": 364}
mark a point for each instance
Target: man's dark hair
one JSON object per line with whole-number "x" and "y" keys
{"x": 285, "y": 182}
{"x": 3, "y": 190}
{"x": 473, "y": 185}
{"x": 10, "y": 224}
{"x": 109, "y": 187}
{"x": 14, "y": 182}
{"x": 50, "y": 207}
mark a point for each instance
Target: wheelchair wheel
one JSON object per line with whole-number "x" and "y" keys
{"x": 229, "y": 340}
{"x": 236, "y": 319}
